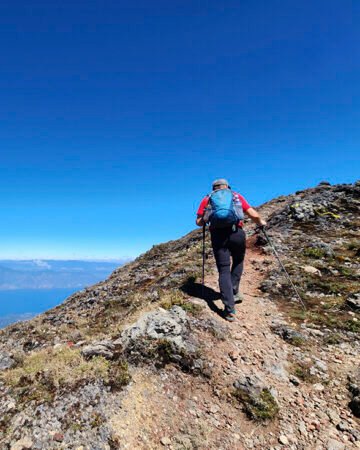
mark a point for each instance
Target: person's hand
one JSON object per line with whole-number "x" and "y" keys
{"x": 262, "y": 223}
{"x": 200, "y": 222}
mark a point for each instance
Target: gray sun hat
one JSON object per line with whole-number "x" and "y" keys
{"x": 219, "y": 182}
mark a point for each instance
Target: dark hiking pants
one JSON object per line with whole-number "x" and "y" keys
{"x": 228, "y": 244}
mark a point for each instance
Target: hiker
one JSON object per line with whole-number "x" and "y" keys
{"x": 224, "y": 209}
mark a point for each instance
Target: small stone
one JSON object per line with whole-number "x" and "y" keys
{"x": 214, "y": 408}
{"x": 165, "y": 440}
{"x": 234, "y": 355}
{"x": 283, "y": 439}
{"x": 342, "y": 426}
{"x": 332, "y": 444}
{"x": 311, "y": 269}
{"x": 11, "y": 406}
{"x": 58, "y": 437}
{"x": 294, "y": 380}
{"x": 318, "y": 387}
{"x": 23, "y": 444}
{"x": 321, "y": 365}
{"x": 333, "y": 416}
{"x": 302, "y": 428}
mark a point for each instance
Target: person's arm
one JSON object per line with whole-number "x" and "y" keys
{"x": 255, "y": 217}
{"x": 201, "y": 211}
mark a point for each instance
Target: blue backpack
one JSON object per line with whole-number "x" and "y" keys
{"x": 224, "y": 209}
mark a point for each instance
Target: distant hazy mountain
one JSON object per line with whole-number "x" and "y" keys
{"x": 38, "y": 274}
{"x": 11, "y": 318}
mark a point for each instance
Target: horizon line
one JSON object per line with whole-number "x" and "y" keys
{"x": 90, "y": 259}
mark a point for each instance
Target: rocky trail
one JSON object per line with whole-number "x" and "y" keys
{"x": 144, "y": 360}
{"x": 312, "y": 416}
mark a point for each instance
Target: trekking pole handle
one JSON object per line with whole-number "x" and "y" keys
{"x": 259, "y": 228}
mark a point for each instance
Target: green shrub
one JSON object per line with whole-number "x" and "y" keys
{"x": 314, "y": 252}
{"x": 262, "y": 408}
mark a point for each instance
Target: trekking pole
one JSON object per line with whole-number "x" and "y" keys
{"x": 262, "y": 228}
{"x": 203, "y": 261}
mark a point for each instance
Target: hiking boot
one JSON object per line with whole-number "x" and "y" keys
{"x": 229, "y": 315}
{"x": 238, "y": 298}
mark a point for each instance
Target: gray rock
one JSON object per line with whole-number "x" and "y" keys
{"x": 160, "y": 324}
{"x": 333, "y": 416}
{"x": 354, "y": 388}
{"x": 332, "y": 444}
{"x": 327, "y": 248}
{"x": 342, "y": 426}
{"x": 287, "y": 333}
{"x": 302, "y": 210}
{"x": 355, "y": 406}
{"x": 294, "y": 380}
{"x": 97, "y": 350}
{"x": 283, "y": 439}
{"x": 6, "y": 362}
{"x": 165, "y": 441}
{"x": 252, "y": 385}
{"x": 277, "y": 369}
{"x": 353, "y": 301}
{"x": 257, "y": 398}
{"x": 311, "y": 269}
{"x": 321, "y": 365}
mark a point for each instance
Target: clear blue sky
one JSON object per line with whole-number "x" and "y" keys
{"x": 115, "y": 116}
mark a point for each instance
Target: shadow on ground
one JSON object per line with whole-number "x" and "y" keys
{"x": 205, "y": 293}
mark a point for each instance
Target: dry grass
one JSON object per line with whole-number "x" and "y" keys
{"x": 59, "y": 367}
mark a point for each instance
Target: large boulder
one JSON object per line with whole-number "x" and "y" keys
{"x": 160, "y": 324}
{"x": 162, "y": 337}
{"x": 302, "y": 210}
{"x": 103, "y": 348}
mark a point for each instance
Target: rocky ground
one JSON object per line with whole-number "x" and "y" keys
{"x": 144, "y": 360}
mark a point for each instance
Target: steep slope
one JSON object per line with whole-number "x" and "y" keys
{"x": 144, "y": 359}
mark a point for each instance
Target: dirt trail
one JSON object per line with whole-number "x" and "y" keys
{"x": 202, "y": 414}
{"x": 174, "y": 410}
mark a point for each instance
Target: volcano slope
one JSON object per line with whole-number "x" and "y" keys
{"x": 144, "y": 360}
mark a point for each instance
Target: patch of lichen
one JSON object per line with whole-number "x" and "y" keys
{"x": 314, "y": 252}
{"x": 262, "y": 408}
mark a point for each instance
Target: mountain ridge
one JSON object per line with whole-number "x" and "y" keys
{"x": 144, "y": 359}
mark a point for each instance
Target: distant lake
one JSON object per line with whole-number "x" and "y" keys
{"x": 18, "y": 304}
